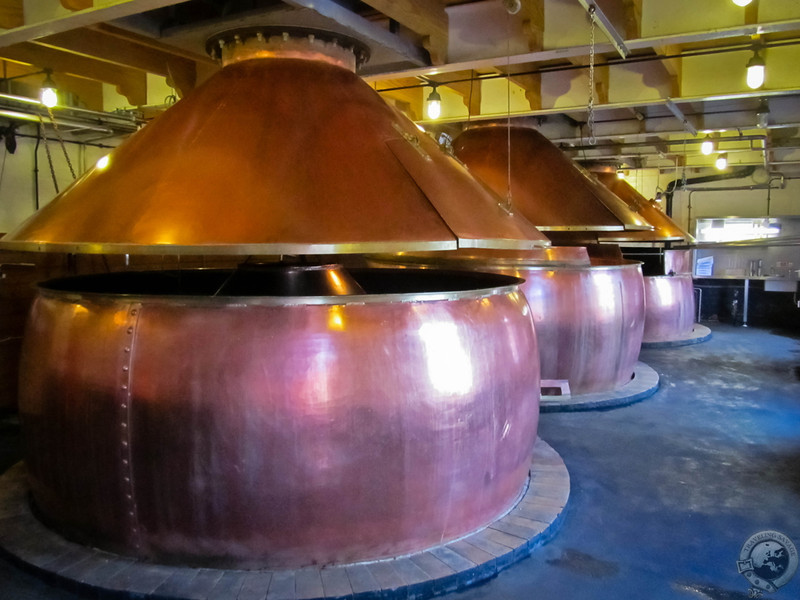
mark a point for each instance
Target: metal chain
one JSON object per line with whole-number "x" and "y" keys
{"x": 47, "y": 150}
{"x": 590, "y": 120}
{"x": 61, "y": 140}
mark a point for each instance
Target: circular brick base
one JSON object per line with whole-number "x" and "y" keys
{"x": 481, "y": 555}
{"x": 643, "y": 385}
{"x": 700, "y": 333}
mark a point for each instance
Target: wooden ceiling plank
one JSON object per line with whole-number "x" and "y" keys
{"x": 673, "y": 67}
{"x": 98, "y": 45}
{"x": 110, "y": 10}
{"x": 632, "y": 18}
{"x": 533, "y": 24}
{"x": 11, "y": 14}
{"x": 426, "y": 18}
{"x": 532, "y": 84}
{"x": 148, "y": 42}
{"x": 131, "y": 83}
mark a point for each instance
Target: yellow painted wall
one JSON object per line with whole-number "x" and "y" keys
{"x": 665, "y": 17}
{"x": 638, "y": 82}
{"x": 17, "y": 189}
{"x": 495, "y": 97}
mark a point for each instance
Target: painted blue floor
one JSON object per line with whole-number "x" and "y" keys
{"x": 664, "y": 492}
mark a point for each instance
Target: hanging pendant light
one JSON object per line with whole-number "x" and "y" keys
{"x": 707, "y": 147}
{"x": 48, "y": 94}
{"x": 756, "y": 71}
{"x": 722, "y": 161}
{"x": 433, "y": 106}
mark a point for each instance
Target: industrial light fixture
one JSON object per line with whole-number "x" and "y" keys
{"x": 433, "y": 106}
{"x": 48, "y": 94}
{"x": 742, "y": 2}
{"x": 620, "y": 174}
{"x": 756, "y": 71}
{"x": 707, "y": 147}
{"x": 722, "y": 161}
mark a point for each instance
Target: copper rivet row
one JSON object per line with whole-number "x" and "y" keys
{"x": 124, "y": 424}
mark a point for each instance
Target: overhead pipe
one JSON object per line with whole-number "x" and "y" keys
{"x": 737, "y": 173}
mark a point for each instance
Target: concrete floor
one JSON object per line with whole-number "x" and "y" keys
{"x": 664, "y": 492}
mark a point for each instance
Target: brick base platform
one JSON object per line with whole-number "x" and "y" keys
{"x": 476, "y": 557}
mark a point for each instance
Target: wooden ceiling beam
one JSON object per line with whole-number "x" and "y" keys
{"x": 532, "y": 14}
{"x": 532, "y": 84}
{"x": 131, "y": 83}
{"x": 181, "y": 73}
{"x": 426, "y": 18}
{"x": 53, "y": 18}
{"x": 11, "y": 14}
{"x": 408, "y": 99}
{"x": 632, "y": 18}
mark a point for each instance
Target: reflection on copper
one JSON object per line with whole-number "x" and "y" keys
{"x": 589, "y": 318}
{"x": 547, "y": 188}
{"x": 665, "y": 229}
{"x": 278, "y": 431}
{"x": 276, "y": 156}
{"x": 670, "y": 308}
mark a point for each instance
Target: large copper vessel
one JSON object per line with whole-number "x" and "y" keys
{"x": 165, "y": 421}
{"x": 543, "y": 184}
{"x": 284, "y": 151}
{"x": 670, "y": 308}
{"x": 664, "y": 228}
{"x": 669, "y": 294}
{"x": 589, "y": 318}
{"x": 279, "y": 418}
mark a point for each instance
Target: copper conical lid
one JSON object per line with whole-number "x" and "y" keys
{"x": 665, "y": 229}
{"x": 276, "y": 155}
{"x": 549, "y": 189}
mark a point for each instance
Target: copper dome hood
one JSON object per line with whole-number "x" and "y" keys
{"x": 284, "y": 151}
{"x": 547, "y": 188}
{"x": 664, "y": 228}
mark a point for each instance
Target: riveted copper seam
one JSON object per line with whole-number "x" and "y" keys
{"x": 124, "y": 394}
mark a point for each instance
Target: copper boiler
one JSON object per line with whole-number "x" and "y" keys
{"x": 589, "y": 317}
{"x": 241, "y": 417}
{"x": 669, "y": 295}
{"x": 165, "y": 422}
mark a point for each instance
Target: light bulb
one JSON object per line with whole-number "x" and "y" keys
{"x": 742, "y": 2}
{"x": 707, "y": 147}
{"x": 434, "y": 105}
{"x": 620, "y": 174}
{"x": 721, "y": 162}
{"x": 48, "y": 96}
{"x": 756, "y": 71}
